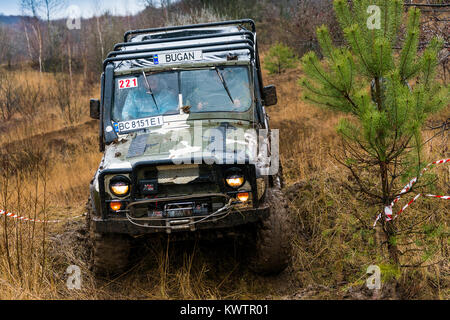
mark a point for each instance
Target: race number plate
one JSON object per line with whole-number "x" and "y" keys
{"x": 128, "y": 83}
{"x": 131, "y": 125}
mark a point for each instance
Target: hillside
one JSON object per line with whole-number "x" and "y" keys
{"x": 9, "y": 20}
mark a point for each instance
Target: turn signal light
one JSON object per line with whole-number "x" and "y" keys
{"x": 115, "y": 206}
{"x": 243, "y": 196}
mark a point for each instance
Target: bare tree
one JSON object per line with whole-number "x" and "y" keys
{"x": 31, "y": 8}
{"x": 7, "y": 47}
{"x": 50, "y": 7}
{"x": 98, "y": 9}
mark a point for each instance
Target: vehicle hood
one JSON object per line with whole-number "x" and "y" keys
{"x": 225, "y": 141}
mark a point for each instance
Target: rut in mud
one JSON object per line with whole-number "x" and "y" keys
{"x": 192, "y": 269}
{"x": 199, "y": 268}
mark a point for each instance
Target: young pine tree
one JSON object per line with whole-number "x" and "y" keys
{"x": 279, "y": 59}
{"x": 388, "y": 96}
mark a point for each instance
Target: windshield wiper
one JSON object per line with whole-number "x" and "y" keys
{"x": 150, "y": 90}
{"x": 219, "y": 74}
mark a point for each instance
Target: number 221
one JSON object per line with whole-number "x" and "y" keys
{"x": 127, "y": 83}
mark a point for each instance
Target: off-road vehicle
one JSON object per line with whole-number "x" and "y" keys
{"x": 187, "y": 146}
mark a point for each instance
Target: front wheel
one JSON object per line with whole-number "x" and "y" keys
{"x": 272, "y": 249}
{"x": 109, "y": 252}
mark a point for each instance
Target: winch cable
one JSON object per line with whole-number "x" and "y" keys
{"x": 228, "y": 206}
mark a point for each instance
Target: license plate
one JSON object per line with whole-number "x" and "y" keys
{"x": 177, "y": 56}
{"x": 130, "y": 125}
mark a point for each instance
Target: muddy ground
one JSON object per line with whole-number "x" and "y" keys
{"x": 160, "y": 269}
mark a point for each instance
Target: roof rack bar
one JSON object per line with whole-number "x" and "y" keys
{"x": 192, "y": 26}
{"x": 219, "y": 49}
{"x": 200, "y": 45}
{"x": 198, "y": 37}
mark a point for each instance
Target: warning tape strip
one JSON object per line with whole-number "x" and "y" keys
{"x": 15, "y": 216}
{"x": 388, "y": 209}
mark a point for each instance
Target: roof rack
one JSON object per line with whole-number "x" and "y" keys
{"x": 248, "y": 42}
{"x": 219, "y": 49}
{"x": 197, "y": 37}
{"x": 192, "y": 26}
{"x": 201, "y": 45}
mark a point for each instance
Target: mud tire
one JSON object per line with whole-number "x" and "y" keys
{"x": 109, "y": 252}
{"x": 272, "y": 249}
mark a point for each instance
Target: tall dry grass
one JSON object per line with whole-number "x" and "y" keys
{"x": 46, "y": 166}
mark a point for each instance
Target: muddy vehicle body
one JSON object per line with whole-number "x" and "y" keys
{"x": 187, "y": 144}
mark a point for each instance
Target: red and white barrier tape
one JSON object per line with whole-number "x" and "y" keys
{"x": 15, "y": 216}
{"x": 388, "y": 209}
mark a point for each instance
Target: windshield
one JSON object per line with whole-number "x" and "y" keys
{"x": 203, "y": 90}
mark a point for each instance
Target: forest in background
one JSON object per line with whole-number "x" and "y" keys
{"x": 49, "y": 45}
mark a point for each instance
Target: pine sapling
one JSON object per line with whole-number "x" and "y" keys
{"x": 387, "y": 96}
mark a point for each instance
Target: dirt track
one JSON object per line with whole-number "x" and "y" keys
{"x": 193, "y": 269}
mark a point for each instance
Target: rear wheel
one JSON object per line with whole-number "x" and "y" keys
{"x": 271, "y": 250}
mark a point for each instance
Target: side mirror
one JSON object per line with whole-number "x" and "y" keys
{"x": 94, "y": 109}
{"x": 270, "y": 95}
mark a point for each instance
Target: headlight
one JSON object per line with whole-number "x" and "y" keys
{"x": 119, "y": 186}
{"x": 235, "y": 181}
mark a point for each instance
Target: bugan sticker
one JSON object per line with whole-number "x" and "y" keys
{"x": 128, "y": 83}
{"x": 174, "y": 57}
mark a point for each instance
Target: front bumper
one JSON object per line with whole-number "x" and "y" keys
{"x": 124, "y": 226}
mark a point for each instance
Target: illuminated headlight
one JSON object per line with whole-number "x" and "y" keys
{"x": 235, "y": 181}
{"x": 119, "y": 186}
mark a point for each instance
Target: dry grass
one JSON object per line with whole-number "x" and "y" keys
{"x": 332, "y": 247}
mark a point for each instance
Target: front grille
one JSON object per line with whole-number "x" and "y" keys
{"x": 176, "y": 180}
{"x": 172, "y": 181}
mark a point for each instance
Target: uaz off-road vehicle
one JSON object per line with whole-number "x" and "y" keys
{"x": 187, "y": 145}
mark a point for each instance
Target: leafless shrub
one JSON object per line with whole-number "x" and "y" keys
{"x": 31, "y": 98}
{"x": 435, "y": 24}
{"x": 18, "y": 97}
{"x": 202, "y": 15}
{"x": 65, "y": 96}
{"x": 9, "y": 96}
{"x": 310, "y": 15}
